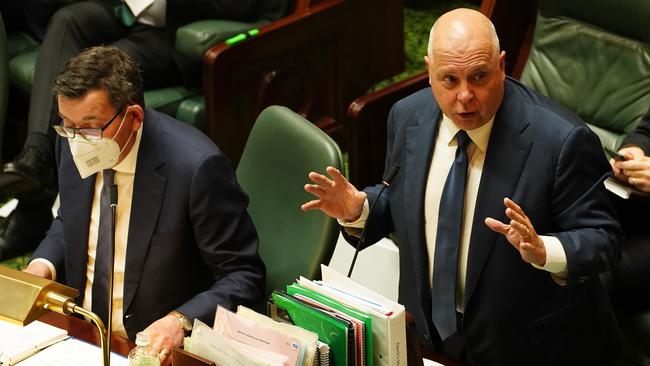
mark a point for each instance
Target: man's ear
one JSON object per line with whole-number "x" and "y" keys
{"x": 427, "y": 63}
{"x": 137, "y": 115}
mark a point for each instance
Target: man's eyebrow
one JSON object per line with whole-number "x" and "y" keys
{"x": 90, "y": 117}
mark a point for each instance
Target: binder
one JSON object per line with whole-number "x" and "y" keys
{"x": 323, "y": 352}
{"x": 296, "y": 288}
{"x": 388, "y": 317}
{"x": 336, "y": 332}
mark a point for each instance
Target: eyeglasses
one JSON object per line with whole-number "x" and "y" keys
{"x": 86, "y": 133}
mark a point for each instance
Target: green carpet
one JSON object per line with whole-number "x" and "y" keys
{"x": 419, "y": 16}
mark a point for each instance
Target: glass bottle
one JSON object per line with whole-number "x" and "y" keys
{"x": 143, "y": 354}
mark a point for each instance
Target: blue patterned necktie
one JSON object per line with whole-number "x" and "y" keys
{"x": 105, "y": 235}
{"x": 450, "y": 216}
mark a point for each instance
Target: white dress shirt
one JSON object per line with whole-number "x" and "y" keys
{"x": 151, "y": 12}
{"x": 444, "y": 153}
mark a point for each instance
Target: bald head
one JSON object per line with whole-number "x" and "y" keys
{"x": 466, "y": 69}
{"x": 463, "y": 29}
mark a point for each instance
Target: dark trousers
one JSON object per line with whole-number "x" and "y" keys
{"x": 455, "y": 347}
{"x": 631, "y": 275}
{"x": 92, "y": 23}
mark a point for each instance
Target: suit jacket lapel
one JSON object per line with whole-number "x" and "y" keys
{"x": 76, "y": 218}
{"x": 507, "y": 152}
{"x": 417, "y": 163}
{"x": 148, "y": 192}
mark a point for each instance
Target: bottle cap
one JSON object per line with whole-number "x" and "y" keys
{"x": 142, "y": 339}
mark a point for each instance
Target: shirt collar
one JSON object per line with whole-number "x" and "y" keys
{"x": 127, "y": 165}
{"x": 480, "y": 136}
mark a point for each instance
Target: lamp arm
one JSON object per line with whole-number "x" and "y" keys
{"x": 105, "y": 338}
{"x": 66, "y": 305}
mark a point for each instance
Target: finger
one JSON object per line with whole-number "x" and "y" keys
{"x": 311, "y": 205}
{"x": 524, "y": 232}
{"x": 632, "y": 165}
{"x": 617, "y": 171}
{"x": 497, "y": 226}
{"x": 321, "y": 180}
{"x": 522, "y": 219}
{"x": 164, "y": 353}
{"x": 315, "y": 189}
{"x": 335, "y": 174}
{"x": 513, "y": 205}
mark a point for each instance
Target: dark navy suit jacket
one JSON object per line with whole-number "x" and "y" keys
{"x": 549, "y": 162}
{"x": 191, "y": 244}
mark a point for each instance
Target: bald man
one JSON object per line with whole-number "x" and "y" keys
{"x": 499, "y": 210}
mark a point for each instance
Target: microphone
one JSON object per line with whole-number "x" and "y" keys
{"x": 388, "y": 179}
{"x": 112, "y": 194}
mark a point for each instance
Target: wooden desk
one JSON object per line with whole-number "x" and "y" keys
{"x": 86, "y": 331}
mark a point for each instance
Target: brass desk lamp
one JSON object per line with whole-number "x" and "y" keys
{"x": 26, "y": 297}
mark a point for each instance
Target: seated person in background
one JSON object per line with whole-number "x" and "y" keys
{"x": 147, "y": 38}
{"x": 184, "y": 242}
{"x": 631, "y": 276}
{"x": 30, "y": 17}
{"x": 488, "y": 284}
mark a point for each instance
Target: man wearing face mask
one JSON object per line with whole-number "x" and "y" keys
{"x": 184, "y": 242}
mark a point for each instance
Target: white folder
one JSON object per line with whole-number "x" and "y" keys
{"x": 388, "y": 317}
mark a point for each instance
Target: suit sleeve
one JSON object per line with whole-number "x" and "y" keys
{"x": 589, "y": 230}
{"x": 52, "y": 246}
{"x": 379, "y": 222}
{"x": 226, "y": 239}
{"x": 641, "y": 135}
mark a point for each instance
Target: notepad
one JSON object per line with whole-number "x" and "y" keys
{"x": 17, "y": 343}
{"x": 623, "y": 190}
{"x": 72, "y": 352}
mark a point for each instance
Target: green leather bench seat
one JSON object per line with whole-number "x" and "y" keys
{"x": 193, "y": 40}
{"x": 21, "y": 51}
{"x": 594, "y": 57}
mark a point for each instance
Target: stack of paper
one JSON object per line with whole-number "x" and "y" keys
{"x": 18, "y": 343}
{"x": 361, "y": 327}
{"x": 251, "y": 339}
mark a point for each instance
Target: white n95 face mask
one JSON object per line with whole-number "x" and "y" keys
{"x": 91, "y": 156}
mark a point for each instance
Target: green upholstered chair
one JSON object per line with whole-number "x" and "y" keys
{"x": 281, "y": 150}
{"x": 594, "y": 57}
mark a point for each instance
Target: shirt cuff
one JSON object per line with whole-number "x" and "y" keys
{"x": 361, "y": 221}
{"x": 555, "y": 255}
{"x": 48, "y": 264}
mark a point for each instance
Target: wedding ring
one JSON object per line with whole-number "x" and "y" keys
{"x": 525, "y": 237}
{"x": 632, "y": 181}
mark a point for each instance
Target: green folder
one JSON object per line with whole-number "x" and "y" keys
{"x": 297, "y": 288}
{"x": 331, "y": 330}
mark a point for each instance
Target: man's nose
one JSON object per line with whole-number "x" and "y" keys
{"x": 465, "y": 94}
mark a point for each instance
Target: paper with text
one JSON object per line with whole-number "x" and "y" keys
{"x": 72, "y": 352}
{"x": 210, "y": 345}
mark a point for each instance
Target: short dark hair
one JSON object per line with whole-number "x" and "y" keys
{"x": 101, "y": 67}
